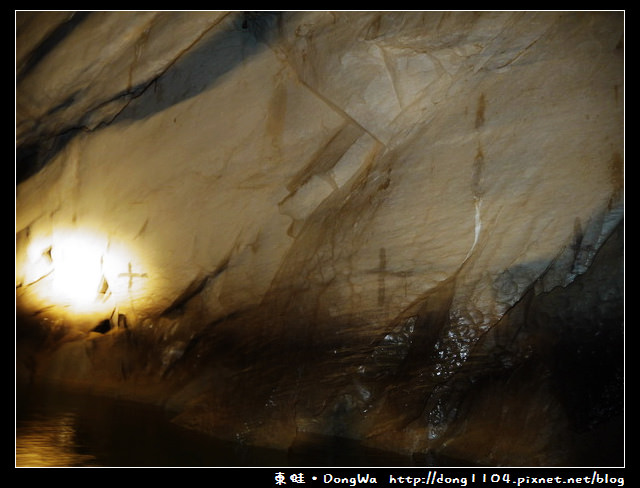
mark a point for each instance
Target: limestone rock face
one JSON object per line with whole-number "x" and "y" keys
{"x": 403, "y": 228}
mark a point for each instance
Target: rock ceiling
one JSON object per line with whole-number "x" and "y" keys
{"x": 374, "y": 196}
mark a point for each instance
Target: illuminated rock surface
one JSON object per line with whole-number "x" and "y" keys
{"x": 400, "y": 228}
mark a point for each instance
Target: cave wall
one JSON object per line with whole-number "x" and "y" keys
{"x": 380, "y": 226}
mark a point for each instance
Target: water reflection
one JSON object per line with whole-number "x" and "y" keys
{"x": 56, "y": 429}
{"x": 50, "y": 441}
{"x": 60, "y": 429}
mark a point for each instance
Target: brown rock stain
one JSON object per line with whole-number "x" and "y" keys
{"x": 480, "y": 111}
{"x": 578, "y": 235}
{"x": 616, "y": 166}
{"x": 476, "y": 176}
{"x": 276, "y": 115}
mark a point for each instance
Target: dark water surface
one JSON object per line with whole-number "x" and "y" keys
{"x": 61, "y": 429}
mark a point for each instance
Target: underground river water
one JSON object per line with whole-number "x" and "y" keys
{"x": 61, "y": 429}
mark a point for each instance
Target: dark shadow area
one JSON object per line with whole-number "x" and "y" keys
{"x": 198, "y": 69}
{"x": 32, "y": 157}
{"x": 49, "y": 43}
{"x": 587, "y": 358}
{"x": 317, "y": 450}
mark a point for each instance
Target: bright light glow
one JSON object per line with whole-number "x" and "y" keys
{"x": 77, "y": 265}
{"x": 81, "y": 272}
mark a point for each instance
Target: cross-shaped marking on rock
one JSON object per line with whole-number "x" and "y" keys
{"x": 131, "y": 275}
{"x": 382, "y": 272}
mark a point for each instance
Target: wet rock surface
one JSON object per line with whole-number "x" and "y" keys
{"x": 404, "y": 229}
